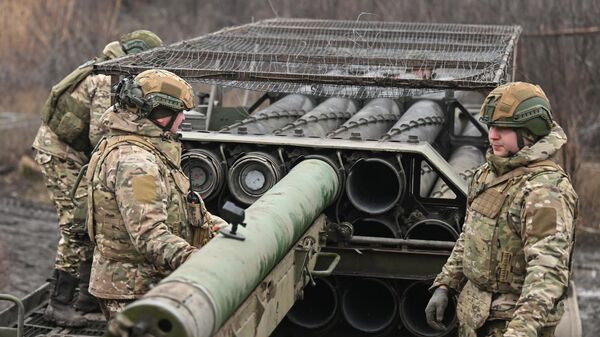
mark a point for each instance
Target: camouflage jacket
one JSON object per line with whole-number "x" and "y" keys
{"x": 137, "y": 210}
{"x": 512, "y": 260}
{"x": 93, "y": 91}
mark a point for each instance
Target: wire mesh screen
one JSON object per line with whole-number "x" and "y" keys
{"x": 360, "y": 59}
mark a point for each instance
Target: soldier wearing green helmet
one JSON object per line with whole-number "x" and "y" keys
{"x": 520, "y": 106}
{"x": 139, "y": 41}
{"x": 63, "y": 145}
{"x": 511, "y": 265}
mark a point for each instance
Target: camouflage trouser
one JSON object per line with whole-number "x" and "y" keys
{"x": 110, "y": 308}
{"x": 498, "y": 328}
{"x": 74, "y": 245}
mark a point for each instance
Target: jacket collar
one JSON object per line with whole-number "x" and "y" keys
{"x": 543, "y": 149}
{"x": 125, "y": 122}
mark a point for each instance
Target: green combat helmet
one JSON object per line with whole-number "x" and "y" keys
{"x": 139, "y": 41}
{"x": 155, "y": 93}
{"x": 518, "y": 105}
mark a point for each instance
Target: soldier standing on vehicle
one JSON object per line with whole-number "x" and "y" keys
{"x": 63, "y": 144}
{"x": 142, "y": 215}
{"x": 511, "y": 264}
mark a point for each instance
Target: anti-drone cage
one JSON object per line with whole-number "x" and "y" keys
{"x": 359, "y": 59}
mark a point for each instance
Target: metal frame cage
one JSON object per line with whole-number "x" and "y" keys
{"x": 359, "y": 59}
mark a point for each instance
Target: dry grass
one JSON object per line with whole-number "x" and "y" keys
{"x": 588, "y": 190}
{"x": 16, "y": 139}
{"x": 28, "y": 101}
{"x": 43, "y": 40}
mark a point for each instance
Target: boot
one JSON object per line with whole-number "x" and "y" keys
{"x": 86, "y": 302}
{"x": 59, "y": 310}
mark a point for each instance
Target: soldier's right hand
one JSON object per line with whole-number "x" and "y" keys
{"x": 434, "y": 312}
{"x": 121, "y": 326}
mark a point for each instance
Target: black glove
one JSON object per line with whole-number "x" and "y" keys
{"x": 434, "y": 312}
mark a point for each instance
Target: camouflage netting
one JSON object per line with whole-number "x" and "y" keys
{"x": 360, "y": 59}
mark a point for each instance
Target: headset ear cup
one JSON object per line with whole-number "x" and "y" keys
{"x": 136, "y": 97}
{"x": 131, "y": 94}
{"x": 122, "y": 92}
{"x": 136, "y": 92}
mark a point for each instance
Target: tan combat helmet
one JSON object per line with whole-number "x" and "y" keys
{"x": 153, "y": 91}
{"x": 139, "y": 41}
{"x": 519, "y": 105}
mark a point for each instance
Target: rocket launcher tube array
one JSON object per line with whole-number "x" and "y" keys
{"x": 424, "y": 119}
{"x": 252, "y": 175}
{"x": 319, "y": 308}
{"x": 326, "y": 117}
{"x": 198, "y": 297}
{"x": 275, "y": 116}
{"x": 464, "y": 160}
{"x": 371, "y": 122}
{"x": 370, "y": 305}
{"x": 375, "y": 185}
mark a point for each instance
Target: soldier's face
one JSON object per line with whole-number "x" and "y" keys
{"x": 503, "y": 141}
{"x": 178, "y": 120}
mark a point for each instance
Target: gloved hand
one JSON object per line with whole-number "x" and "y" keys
{"x": 434, "y": 312}
{"x": 119, "y": 326}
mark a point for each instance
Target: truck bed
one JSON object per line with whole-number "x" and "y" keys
{"x": 36, "y": 326}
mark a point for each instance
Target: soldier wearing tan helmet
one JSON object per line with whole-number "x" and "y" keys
{"x": 69, "y": 131}
{"x": 143, "y": 218}
{"x": 511, "y": 265}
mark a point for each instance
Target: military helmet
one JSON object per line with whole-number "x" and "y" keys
{"x": 518, "y": 105}
{"x": 139, "y": 41}
{"x": 152, "y": 89}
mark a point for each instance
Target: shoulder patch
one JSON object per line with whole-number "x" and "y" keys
{"x": 543, "y": 222}
{"x": 144, "y": 188}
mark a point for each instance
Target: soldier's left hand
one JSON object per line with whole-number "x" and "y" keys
{"x": 434, "y": 312}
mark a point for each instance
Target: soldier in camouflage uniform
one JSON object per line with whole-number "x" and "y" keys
{"x": 143, "y": 217}
{"x": 511, "y": 264}
{"x": 63, "y": 144}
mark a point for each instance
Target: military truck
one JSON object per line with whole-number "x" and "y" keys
{"x": 340, "y": 152}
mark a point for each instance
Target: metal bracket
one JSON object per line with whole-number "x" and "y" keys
{"x": 19, "y": 330}
{"x": 307, "y": 249}
{"x": 334, "y": 262}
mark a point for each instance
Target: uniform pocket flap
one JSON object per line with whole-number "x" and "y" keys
{"x": 489, "y": 202}
{"x": 473, "y": 306}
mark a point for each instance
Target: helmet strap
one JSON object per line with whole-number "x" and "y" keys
{"x": 166, "y": 127}
{"x": 171, "y": 122}
{"x": 520, "y": 138}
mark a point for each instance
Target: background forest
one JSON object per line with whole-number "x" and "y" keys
{"x": 41, "y": 41}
